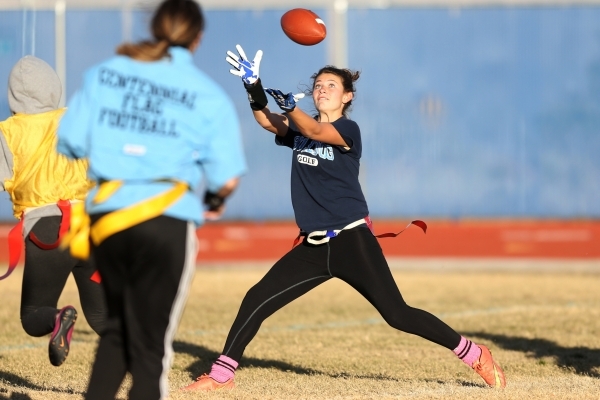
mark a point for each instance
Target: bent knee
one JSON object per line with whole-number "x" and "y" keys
{"x": 38, "y": 324}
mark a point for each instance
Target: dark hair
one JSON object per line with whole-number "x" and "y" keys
{"x": 175, "y": 23}
{"x": 347, "y": 76}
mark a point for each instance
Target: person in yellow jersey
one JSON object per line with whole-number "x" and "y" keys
{"x": 42, "y": 185}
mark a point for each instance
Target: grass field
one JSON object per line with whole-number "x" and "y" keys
{"x": 540, "y": 318}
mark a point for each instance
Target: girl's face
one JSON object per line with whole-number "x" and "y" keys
{"x": 328, "y": 93}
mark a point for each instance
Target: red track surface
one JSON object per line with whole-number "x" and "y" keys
{"x": 246, "y": 241}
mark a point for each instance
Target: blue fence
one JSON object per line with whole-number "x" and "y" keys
{"x": 481, "y": 112}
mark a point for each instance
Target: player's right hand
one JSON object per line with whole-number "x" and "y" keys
{"x": 243, "y": 68}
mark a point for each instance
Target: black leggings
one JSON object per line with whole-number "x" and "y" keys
{"x": 146, "y": 271}
{"x": 44, "y": 278}
{"x": 354, "y": 257}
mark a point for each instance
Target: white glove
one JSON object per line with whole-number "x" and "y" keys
{"x": 245, "y": 69}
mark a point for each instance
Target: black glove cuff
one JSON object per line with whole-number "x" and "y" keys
{"x": 256, "y": 95}
{"x": 213, "y": 201}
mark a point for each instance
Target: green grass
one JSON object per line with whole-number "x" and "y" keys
{"x": 541, "y": 319}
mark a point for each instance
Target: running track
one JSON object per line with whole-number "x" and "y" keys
{"x": 250, "y": 241}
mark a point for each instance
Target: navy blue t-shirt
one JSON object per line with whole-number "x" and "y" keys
{"x": 326, "y": 194}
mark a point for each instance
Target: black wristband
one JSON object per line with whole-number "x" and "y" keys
{"x": 256, "y": 95}
{"x": 213, "y": 201}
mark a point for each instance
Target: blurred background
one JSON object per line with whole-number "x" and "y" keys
{"x": 469, "y": 110}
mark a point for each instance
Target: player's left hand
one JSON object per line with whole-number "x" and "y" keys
{"x": 243, "y": 68}
{"x": 215, "y": 206}
{"x": 287, "y": 102}
{"x": 214, "y": 215}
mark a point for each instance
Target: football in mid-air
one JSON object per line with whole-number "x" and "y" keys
{"x": 303, "y": 26}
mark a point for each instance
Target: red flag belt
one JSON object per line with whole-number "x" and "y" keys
{"x": 15, "y": 239}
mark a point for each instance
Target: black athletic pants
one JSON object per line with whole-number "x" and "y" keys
{"x": 354, "y": 257}
{"x": 44, "y": 278}
{"x": 146, "y": 271}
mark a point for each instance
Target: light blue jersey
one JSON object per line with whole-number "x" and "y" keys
{"x": 142, "y": 122}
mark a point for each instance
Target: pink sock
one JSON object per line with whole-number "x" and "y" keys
{"x": 223, "y": 369}
{"x": 467, "y": 351}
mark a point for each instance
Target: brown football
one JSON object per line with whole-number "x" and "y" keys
{"x": 303, "y": 26}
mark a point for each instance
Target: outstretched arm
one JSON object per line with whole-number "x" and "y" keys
{"x": 276, "y": 123}
{"x": 249, "y": 72}
{"x": 323, "y": 132}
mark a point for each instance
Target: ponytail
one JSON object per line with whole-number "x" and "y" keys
{"x": 175, "y": 23}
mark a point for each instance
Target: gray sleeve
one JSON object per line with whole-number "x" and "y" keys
{"x": 6, "y": 162}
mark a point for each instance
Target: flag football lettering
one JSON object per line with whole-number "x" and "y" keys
{"x": 303, "y": 26}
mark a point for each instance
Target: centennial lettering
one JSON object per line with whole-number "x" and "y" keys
{"x": 142, "y": 105}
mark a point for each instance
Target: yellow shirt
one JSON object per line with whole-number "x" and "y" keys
{"x": 41, "y": 176}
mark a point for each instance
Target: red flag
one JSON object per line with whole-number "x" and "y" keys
{"x": 417, "y": 222}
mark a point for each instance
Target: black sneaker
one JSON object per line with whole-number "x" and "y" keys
{"x": 58, "y": 349}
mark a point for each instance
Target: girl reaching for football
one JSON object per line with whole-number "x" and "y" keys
{"x": 333, "y": 217}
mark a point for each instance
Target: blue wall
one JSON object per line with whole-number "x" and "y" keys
{"x": 483, "y": 112}
{"x": 512, "y": 105}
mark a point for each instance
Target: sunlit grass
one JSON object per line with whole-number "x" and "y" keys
{"x": 543, "y": 327}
